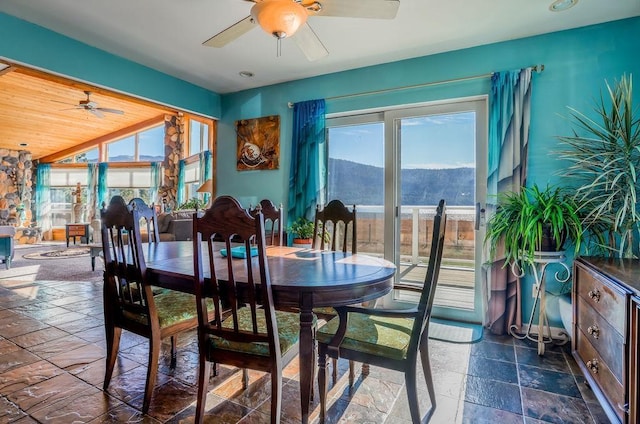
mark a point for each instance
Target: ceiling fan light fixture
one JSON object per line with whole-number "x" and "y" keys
{"x": 280, "y": 18}
{"x": 562, "y": 5}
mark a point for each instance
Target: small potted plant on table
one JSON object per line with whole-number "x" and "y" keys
{"x": 302, "y": 231}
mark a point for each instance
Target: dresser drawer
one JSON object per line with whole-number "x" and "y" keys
{"x": 603, "y": 296}
{"x": 596, "y": 368}
{"x": 605, "y": 340}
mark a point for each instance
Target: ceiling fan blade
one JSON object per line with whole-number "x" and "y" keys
{"x": 373, "y": 9}
{"x": 309, "y": 43}
{"x": 106, "y": 109}
{"x": 228, "y": 35}
{"x": 96, "y": 112}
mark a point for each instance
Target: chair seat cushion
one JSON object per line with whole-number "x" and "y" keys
{"x": 172, "y": 306}
{"x": 288, "y": 332}
{"x": 379, "y": 336}
{"x": 325, "y": 312}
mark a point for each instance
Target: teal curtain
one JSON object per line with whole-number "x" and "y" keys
{"x": 92, "y": 190}
{"x": 156, "y": 182}
{"x": 509, "y": 117}
{"x": 205, "y": 171}
{"x": 308, "y": 175}
{"x": 43, "y": 196}
{"x": 103, "y": 189}
{"x": 180, "y": 188}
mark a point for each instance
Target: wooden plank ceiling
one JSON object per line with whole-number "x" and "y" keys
{"x": 40, "y": 110}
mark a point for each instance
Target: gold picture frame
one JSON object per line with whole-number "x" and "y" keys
{"x": 258, "y": 143}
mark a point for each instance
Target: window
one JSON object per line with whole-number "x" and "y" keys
{"x": 191, "y": 179}
{"x": 130, "y": 183}
{"x": 143, "y": 146}
{"x": 63, "y": 183}
{"x": 198, "y": 137}
{"x": 89, "y": 156}
{"x": 412, "y": 157}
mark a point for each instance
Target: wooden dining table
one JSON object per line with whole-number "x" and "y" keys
{"x": 300, "y": 278}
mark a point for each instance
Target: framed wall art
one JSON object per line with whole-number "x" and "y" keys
{"x": 258, "y": 143}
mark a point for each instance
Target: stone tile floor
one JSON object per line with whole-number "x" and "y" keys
{"x": 52, "y": 355}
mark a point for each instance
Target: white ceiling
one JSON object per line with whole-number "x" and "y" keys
{"x": 167, "y": 35}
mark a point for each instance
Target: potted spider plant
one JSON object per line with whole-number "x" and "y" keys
{"x": 532, "y": 221}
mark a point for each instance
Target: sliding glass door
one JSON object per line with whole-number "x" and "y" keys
{"x": 395, "y": 166}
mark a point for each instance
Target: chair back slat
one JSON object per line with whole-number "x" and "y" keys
{"x": 148, "y": 215}
{"x": 125, "y": 265}
{"x": 242, "y": 284}
{"x": 339, "y": 223}
{"x": 433, "y": 269}
{"x": 273, "y": 218}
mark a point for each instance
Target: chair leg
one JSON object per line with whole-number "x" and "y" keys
{"x": 334, "y": 374}
{"x": 152, "y": 371}
{"x": 412, "y": 393}
{"x": 245, "y": 378}
{"x": 322, "y": 383}
{"x": 113, "y": 344}
{"x": 428, "y": 376}
{"x": 174, "y": 351}
{"x": 352, "y": 373}
{"x": 203, "y": 383}
{"x": 276, "y": 393}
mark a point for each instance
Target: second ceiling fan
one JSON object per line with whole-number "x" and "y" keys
{"x": 284, "y": 18}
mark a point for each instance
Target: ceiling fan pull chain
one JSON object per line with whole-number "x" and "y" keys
{"x": 278, "y": 47}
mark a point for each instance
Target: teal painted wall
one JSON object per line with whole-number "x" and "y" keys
{"x": 577, "y": 63}
{"x": 32, "y": 45}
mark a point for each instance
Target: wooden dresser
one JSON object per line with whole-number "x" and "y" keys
{"x": 606, "y": 313}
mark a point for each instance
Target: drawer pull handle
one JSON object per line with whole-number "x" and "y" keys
{"x": 593, "y": 365}
{"x": 624, "y": 408}
{"x": 594, "y": 331}
{"x": 595, "y": 295}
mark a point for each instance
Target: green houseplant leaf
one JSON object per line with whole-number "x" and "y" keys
{"x": 604, "y": 158}
{"x": 525, "y": 222}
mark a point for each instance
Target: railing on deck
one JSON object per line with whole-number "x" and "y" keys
{"x": 415, "y": 233}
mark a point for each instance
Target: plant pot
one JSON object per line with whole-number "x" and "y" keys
{"x": 549, "y": 243}
{"x": 298, "y": 242}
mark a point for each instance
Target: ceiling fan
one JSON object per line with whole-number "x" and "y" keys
{"x": 284, "y": 18}
{"x": 92, "y": 107}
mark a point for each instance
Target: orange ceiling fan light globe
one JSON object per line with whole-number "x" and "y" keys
{"x": 280, "y": 18}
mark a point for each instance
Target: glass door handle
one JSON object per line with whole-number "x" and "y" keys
{"x": 479, "y": 215}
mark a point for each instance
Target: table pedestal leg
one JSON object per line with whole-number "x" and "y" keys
{"x": 306, "y": 358}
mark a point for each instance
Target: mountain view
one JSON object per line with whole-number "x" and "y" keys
{"x": 356, "y": 183}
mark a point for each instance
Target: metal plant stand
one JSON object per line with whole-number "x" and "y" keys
{"x": 539, "y": 266}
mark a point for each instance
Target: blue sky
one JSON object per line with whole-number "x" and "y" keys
{"x": 435, "y": 141}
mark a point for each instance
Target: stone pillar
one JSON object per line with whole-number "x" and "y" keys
{"x": 173, "y": 145}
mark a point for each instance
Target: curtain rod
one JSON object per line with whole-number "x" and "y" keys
{"x": 535, "y": 68}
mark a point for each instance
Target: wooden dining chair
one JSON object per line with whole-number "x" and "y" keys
{"x": 149, "y": 217}
{"x": 335, "y": 224}
{"x": 386, "y": 338}
{"x": 335, "y": 230}
{"x": 246, "y": 330}
{"x": 273, "y": 217}
{"x": 129, "y": 301}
